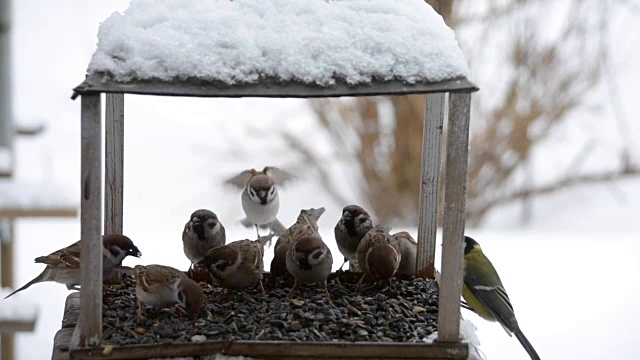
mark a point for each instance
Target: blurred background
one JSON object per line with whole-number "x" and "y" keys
{"x": 553, "y": 187}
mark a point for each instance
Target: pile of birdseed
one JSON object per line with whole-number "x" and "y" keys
{"x": 404, "y": 311}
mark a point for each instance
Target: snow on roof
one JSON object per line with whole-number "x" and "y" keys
{"x": 30, "y": 196}
{"x": 312, "y": 41}
{"x": 17, "y": 308}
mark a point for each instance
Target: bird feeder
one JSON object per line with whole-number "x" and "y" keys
{"x": 277, "y": 49}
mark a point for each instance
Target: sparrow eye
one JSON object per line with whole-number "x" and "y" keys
{"x": 251, "y": 192}
{"x": 211, "y": 224}
{"x": 272, "y": 190}
{"x": 362, "y": 220}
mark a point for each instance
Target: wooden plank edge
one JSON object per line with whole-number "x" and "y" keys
{"x": 71, "y": 310}
{"x": 61, "y": 343}
{"x": 96, "y": 83}
{"x": 38, "y": 213}
{"x": 281, "y": 349}
{"x": 10, "y": 327}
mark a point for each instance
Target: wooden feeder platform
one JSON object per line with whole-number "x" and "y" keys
{"x": 418, "y": 297}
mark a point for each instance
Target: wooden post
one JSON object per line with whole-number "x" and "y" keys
{"x": 6, "y": 102}
{"x": 7, "y": 341}
{"x": 89, "y": 329}
{"x": 114, "y": 163}
{"x": 454, "y": 210}
{"x": 429, "y": 184}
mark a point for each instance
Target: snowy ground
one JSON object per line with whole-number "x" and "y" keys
{"x": 570, "y": 273}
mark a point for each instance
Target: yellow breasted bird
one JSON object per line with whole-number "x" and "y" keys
{"x": 485, "y": 295}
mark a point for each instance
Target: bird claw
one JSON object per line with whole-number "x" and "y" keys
{"x": 359, "y": 284}
{"x": 179, "y": 310}
{"x": 262, "y": 291}
{"x": 295, "y": 283}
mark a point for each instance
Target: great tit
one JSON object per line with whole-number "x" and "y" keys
{"x": 485, "y": 295}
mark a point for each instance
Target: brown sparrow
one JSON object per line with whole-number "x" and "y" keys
{"x": 201, "y": 233}
{"x": 306, "y": 224}
{"x": 378, "y": 255}
{"x": 354, "y": 224}
{"x": 260, "y": 200}
{"x": 408, "y": 248}
{"x": 63, "y": 266}
{"x": 237, "y": 265}
{"x": 309, "y": 260}
{"x": 163, "y": 286}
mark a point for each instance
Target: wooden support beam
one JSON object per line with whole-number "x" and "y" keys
{"x": 89, "y": 329}
{"x": 114, "y": 164}
{"x": 454, "y": 210}
{"x": 429, "y": 185}
{"x": 35, "y": 213}
{"x": 283, "y": 350}
{"x": 7, "y": 328}
{"x": 7, "y": 340}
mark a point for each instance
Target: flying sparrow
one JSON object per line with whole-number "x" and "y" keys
{"x": 237, "y": 265}
{"x": 201, "y": 233}
{"x": 354, "y": 224}
{"x": 408, "y": 248}
{"x": 63, "y": 266}
{"x": 378, "y": 255}
{"x": 163, "y": 286}
{"x": 306, "y": 224}
{"x": 309, "y": 260}
{"x": 260, "y": 200}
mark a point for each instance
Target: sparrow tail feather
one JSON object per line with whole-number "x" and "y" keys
{"x": 277, "y": 227}
{"x": 37, "y": 279}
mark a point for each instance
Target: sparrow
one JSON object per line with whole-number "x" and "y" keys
{"x": 306, "y": 224}
{"x": 408, "y": 250}
{"x": 309, "y": 260}
{"x": 201, "y": 233}
{"x": 63, "y": 266}
{"x": 163, "y": 286}
{"x": 260, "y": 200}
{"x": 238, "y": 265}
{"x": 354, "y": 224}
{"x": 378, "y": 255}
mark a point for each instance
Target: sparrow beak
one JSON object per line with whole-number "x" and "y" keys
{"x": 134, "y": 252}
{"x": 262, "y": 195}
{"x": 198, "y": 227}
{"x": 347, "y": 216}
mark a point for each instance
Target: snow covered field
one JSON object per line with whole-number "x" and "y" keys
{"x": 571, "y": 273}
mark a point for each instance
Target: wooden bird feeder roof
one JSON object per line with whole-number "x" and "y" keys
{"x": 276, "y": 49}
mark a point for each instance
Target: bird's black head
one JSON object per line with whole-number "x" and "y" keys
{"x": 117, "y": 243}
{"x": 469, "y": 244}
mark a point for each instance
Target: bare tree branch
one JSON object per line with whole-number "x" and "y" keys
{"x": 559, "y": 185}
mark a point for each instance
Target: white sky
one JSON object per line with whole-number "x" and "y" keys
{"x": 571, "y": 274}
